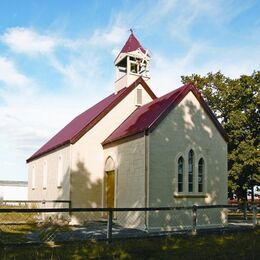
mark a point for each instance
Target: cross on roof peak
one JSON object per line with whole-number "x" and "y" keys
{"x": 131, "y": 30}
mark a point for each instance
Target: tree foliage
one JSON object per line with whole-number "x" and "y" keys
{"x": 235, "y": 103}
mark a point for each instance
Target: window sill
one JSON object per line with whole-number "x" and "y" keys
{"x": 190, "y": 195}
{"x": 137, "y": 74}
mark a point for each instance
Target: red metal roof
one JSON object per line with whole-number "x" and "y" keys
{"x": 148, "y": 116}
{"x": 85, "y": 121}
{"x": 132, "y": 44}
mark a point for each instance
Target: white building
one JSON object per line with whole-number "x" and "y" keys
{"x": 13, "y": 190}
{"x": 133, "y": 149}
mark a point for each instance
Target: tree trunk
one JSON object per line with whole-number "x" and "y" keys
{"x": 252, "y": 194}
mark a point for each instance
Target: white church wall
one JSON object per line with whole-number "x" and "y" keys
{"x": 88, "y": 155}
{"x": 55, "y": 189}
{"x": 130, "y": 180}
{"x": 128, "y": 79}
{"x": 187, "y": 127}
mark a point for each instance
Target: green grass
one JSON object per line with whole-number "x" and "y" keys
{"x": 15, "y": 234}
{"x": 16, "y": 217}
{"x": 244, "y": 245}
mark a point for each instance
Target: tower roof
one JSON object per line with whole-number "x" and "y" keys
{"x": 132, "y": 44}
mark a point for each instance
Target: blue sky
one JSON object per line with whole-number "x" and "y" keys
{"x": 56, "y": 57}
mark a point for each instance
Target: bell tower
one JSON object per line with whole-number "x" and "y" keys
{"x": 132, "y": 62}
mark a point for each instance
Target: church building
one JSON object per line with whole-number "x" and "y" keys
{"x": 134, "y": 149}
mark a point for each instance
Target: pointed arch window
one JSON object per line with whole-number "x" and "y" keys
{"x": 190, "y": 170}
{"x": 60, "y": 171}
{"x": 33, "y": 177}
{"x": 45, "y": 174}
{"x": 201, "y": 170}
{"x": 180, "y": 174}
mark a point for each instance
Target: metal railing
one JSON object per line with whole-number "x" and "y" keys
{"x": 105, "y": 223}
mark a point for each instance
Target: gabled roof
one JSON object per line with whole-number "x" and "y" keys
{"x": 73, "y": 131}
{"x": 147, "y": 117}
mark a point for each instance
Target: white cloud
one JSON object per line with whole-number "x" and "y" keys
{"x": 29, "y": 41}
{"x": 232, "y": 62}
{"x": 167, "y": 71}
{"x": 24, "y": 138}
{"x": 156, "y": 12}
{"x": 25, "y": 40}
{"x": 82, "y": 61}
{"x": 10, "y": 75}
{"x": 112, "y": 37}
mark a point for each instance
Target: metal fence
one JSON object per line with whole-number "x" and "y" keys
{"x": 36, "y": 203}
{"x": 24, "y": 224}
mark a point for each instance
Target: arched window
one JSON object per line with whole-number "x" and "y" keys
{"x": 180, "y": 174}
{"x": 200, "y": 175}
{"x": 60, "y": 170}
{"x": 45, "y": 174}
{"x": 191, "y": 170}
{"x": 33, "y": 177}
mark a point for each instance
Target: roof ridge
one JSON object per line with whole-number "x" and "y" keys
{"x": 122, "y": 123}
{"x": 177, "y": 91}
{"x": 142, "y": 110}
{"x": 150, "y": 115}
{"x": 98, "y": 103}
{"x": 126, "y": 89}
{"x": 82, "y": 123}
{"x": 110, "y": 105}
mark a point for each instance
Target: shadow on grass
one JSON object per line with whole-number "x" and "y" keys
{"x": 243, "y": 245}
{"x": 15, "y": 233}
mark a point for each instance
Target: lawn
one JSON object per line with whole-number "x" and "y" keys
{"x": 243, "y": 245}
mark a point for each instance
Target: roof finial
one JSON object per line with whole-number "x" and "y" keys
{"x": 131, "y": 30}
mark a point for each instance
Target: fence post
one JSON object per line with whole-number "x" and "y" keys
{"x": 70, "y": 213}
{"x": 109, "y": 226}
{"x": 254, "y": 216}
{"x": 194, "y": 219}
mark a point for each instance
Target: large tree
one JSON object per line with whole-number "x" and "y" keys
{"x": 236, "y": 103}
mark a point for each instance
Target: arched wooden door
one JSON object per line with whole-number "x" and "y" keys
{"x": 109, "y": 184}
{"x": 110, "y": 189}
